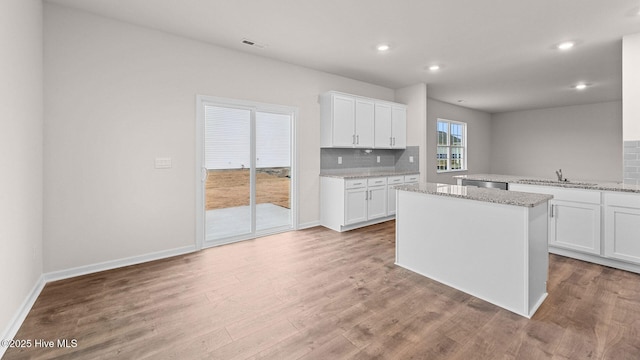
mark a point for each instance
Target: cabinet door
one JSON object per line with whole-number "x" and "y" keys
{"x": 399, "y": 127}
{"x": 343, "y": 120}
{"x": 355, "y": 205}
{"x": 574, "y": 226}
{"x": 391, "y": 200}
{"x": 377, "y": 203}
{"x": 383, "y": 138}
{"x": 622, "y": 233}
{"x": 364, "y": 123}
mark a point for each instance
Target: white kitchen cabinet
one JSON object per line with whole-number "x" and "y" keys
{"x": 377, "y": 198}
{"x": 364, "y": 125}
{"x": 399, "y": 126}
{"x": 622, "y": 227}
{"x": 347, "y": 204}
{"x": 350, "y": 121}
{"x": 346, "y": 121}
{"x": 574, "y": 217}
{"x": 575, "y": 226}
{"x": 392, "y": 181}
{"x": 390, "y": 126}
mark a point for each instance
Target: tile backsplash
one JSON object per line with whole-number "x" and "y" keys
{"x": 631, "y": 162}
{"x": 361, "y": 160}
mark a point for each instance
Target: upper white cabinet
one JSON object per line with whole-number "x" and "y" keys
{"x": 390, "y": 126}
{"x": 622, "y": 227}
{"x": 349, "y": 121}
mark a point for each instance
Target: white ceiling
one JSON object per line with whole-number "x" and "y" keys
{"x": 497, "y": 55}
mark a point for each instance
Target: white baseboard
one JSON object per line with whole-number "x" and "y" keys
{"x": 114, "y": 264}
{"x": 307, "y": 225}
{"x": 23, "y": 311}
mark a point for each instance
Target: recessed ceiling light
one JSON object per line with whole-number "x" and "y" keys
{"x": 580, "y": 86}
{"x": 383, "y": 47}
{"x": 566, "y": 45}
{"x": 434, "y": 67}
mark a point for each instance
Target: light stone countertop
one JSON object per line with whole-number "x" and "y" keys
{"x": 496, "y": 196}
{"x": 572, "y": 184}
{"x": 366, "y": 174}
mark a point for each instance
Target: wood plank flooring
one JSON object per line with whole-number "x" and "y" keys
{"x": 318, "y": 294}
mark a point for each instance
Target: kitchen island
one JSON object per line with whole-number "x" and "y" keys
{"x": 489, "y": 243}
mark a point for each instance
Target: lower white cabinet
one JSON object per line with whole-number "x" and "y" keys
{"x": 622, "y": 227}
{"x": 355, "y": 205}
{"x": 347, "y": 204}
{"x": 575, "y": 226}
{"x": 574, "y": 217}
{"x": 592, "y": 225}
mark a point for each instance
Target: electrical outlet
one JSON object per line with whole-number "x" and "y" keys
{"x": 378, "y": 158}
{"x": 163, "y": 163}
{"x": 339, "y": 160}
{"x": 410, "y": 159}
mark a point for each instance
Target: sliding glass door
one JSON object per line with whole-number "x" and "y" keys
{"x": 247, "y": 170}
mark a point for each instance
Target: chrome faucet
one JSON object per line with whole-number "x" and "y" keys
{"x": 559, "y": 174}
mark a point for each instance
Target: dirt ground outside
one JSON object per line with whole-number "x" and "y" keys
{"x": 230, "y": 188}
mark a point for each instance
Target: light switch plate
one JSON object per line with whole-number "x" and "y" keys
{"x": 163, "y": 163}
{"x": 339, "y": 160}
{"x": 410, "y": 159}
{"x": 378, "y": 158}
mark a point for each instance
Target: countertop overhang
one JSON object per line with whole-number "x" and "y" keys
{"x": 496, "y": 196}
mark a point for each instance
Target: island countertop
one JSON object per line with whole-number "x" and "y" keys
{"x": 572, "y": 184}
{"x": 515, "y": 198}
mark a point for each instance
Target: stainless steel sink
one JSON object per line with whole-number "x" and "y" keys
{"x": 554, "y": 182}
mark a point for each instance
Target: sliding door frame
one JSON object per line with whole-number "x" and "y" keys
{"x": 200, "y": 169}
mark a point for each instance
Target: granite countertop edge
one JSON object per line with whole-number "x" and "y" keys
{"x": 577, "y": 184}
{"x": 496, "y": 196}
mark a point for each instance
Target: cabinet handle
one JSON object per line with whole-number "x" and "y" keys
{"x": 370, "y": 194}
{"x": 366, "y": 195}
{"x": 357, "y": 183}
{"x": 353, "y": 139}
{"x": 394, "y": 141}
{"x": 390, "y": 141}
{"x": 357, "y": 139}
{"x": 552, "y": 206}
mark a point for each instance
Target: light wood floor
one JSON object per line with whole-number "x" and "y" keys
{"x": 318, "y": 294}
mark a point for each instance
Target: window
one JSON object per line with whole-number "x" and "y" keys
{"x": 452, "y": 146}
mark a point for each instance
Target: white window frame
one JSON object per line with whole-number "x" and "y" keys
{"x": 465, "y": 152}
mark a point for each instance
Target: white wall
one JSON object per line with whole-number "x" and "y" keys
{"x": 631, "y": 87}
{"x": 585, "y": 141}
{"x": 478, "y": 139}
{"x": 119, "y": 95}
{"x": 415, "y": 97}
{"x": 20, "y": 155}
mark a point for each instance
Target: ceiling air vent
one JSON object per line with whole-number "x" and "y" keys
{"x": 253, "y": 43}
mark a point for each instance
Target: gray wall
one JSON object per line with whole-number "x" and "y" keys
{"x": 21, "y": 122}
{"x": 478, "y": 139}
{"x": 119, "y": 95}
{"x": 585, "y": 141}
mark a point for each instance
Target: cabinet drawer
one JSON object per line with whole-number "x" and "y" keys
{"x": 411, "y": 178}
{"x": 377, "y": 181}
{"x": 355, "y": 183}
{"x": 395, "y": 180}
{"x": 622, "y": 199}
